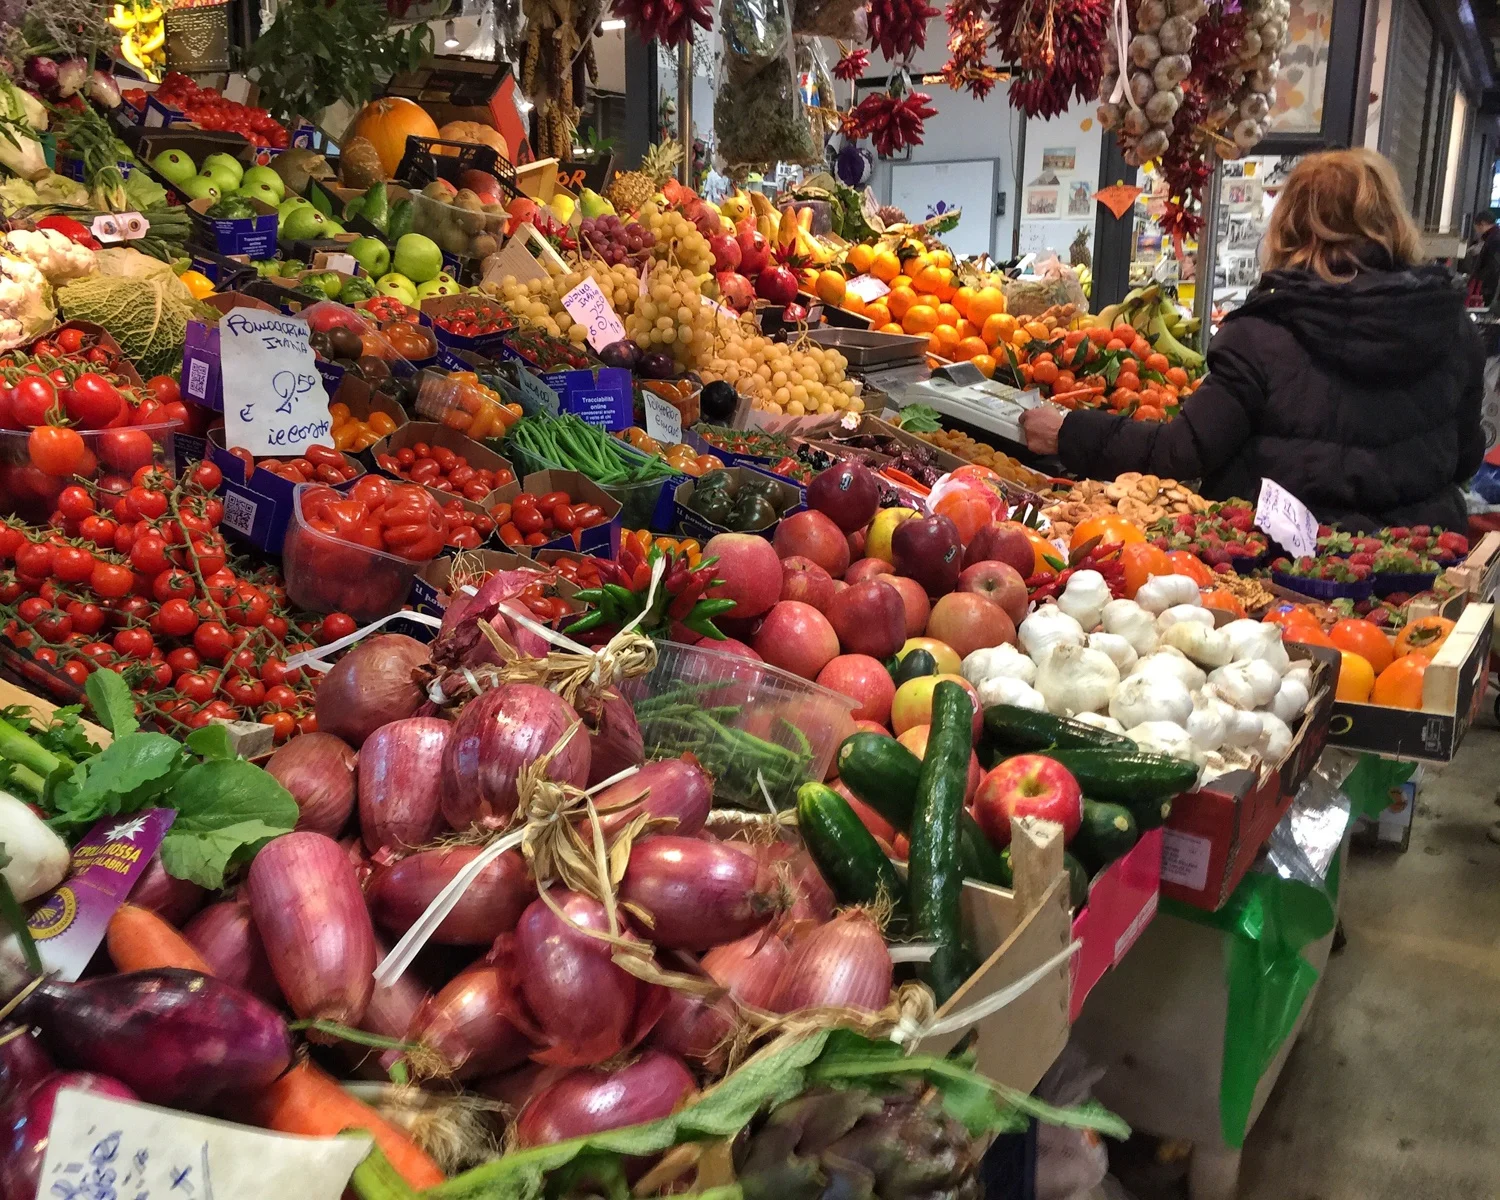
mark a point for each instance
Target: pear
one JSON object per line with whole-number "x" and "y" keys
{"x": 592, "y": 204}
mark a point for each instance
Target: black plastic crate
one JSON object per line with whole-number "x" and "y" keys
{"x": 420, "y": 165}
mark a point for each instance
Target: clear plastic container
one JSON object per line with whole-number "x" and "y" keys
{"x": 28, "y": 492}
{"x": 327, "y": 574}
{"x": 637, "y": 501}
{"x": 466, "y": 233}
{"x": 746, "y": 722}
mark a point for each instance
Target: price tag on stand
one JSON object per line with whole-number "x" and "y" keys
{"x": 867, "y": 288}
{"x": 590, "y": 307}
{"x": 274, "y": 399}
{"x": 663, "y": 420}
{"x": 1285, "y": 519}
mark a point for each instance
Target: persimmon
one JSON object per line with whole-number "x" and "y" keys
{"x": 1425, "y": 635}
{"x": 1142, "y": 560}
{"x": 1356, "y": 678}
{"x": 1217, "y": 597}
{"x": 1364, "y": 638}
{"x": 1108, "y": 529}
{"x": 1185, "y": 562}
{"x": 1400, "y": 684}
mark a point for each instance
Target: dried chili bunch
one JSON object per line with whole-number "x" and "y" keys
{"x": 967, "y": 68}
{"x": 893, "y": 122}
{"x": 1058, "y": 47}
{"x": 667, "y": 21}
{"x": 852, "y": 65}
{"x": 898, "y": 28}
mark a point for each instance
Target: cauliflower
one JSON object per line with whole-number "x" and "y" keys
{"x": 55, "y": 256}
{"x": 25, "y": 302}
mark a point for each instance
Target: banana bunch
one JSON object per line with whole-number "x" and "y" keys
{"x": 143, "y": 36}
{"x": 1148, "y": 310}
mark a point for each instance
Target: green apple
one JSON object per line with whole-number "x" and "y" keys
{"x": 444, "y": 277}
{"x": 437, "y": 287}
{"x": 418, "y": 257}
{"x": 304, "y": 223}
{"x": 290, "y": 205}
{"x": 223, "y": 178}
{"x": 399, "y": 286}
{"x": 372, "y": 254}
{"x": 264, "y": 175}
{"x": 226, "y": 163}
{"x": 260, "y": 191}
{"x": 196, "y": 187}
{"x": 331, "y": 227}
{"x": 174, "y": 166}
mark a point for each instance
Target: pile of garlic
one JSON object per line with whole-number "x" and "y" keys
{"x": 1154, "y": 669}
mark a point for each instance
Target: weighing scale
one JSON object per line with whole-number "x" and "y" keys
{"x": 961, "y": 392}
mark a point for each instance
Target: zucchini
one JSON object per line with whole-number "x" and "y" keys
{"x": 1151, "y": 813}
{"x": 1078, "y": 882}
{"x": 915, "y": 665}
{"x": 1107, "y": 832}
{"x": 934, "y": 878}
{"x": 1015, "y": 730}
{"x": 847, "y": 854}
{"x": 1130, "y": 779}
{"x": 883, "y": 773}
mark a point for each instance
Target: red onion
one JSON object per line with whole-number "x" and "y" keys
{"x": 225, "y": 935}
{"x": 673, "y": 787}
{"x": 568, "y": 996}
{"x": 749, "y": 968}
{"x": 359, "y": 859}
{"x": 843, "y": 964}
{"x": 318, "y": 770}
{"x": 615, "y": 740}
{"x": 176, "y": 1037}
{"x": 393, "y": 1006}
{"x": 529, "y": 644}
{"x": 466, "y": 1024}
{"x": 695, "y": 1028}
{"x": 591, "y": 1101}
{"x": 399, "y": 767}
{"x": 173, "y": 900}
{"x": 514, "y": 1088}
{"x": 400, "y": 893}
{"x": 31, "y": 1121}
{"x": 814, "y": 898}
{"x": 23, "y": 1064}
{"x": 699, "y": 894}
{"x": 498, "y": 733}
{"x": 315, "y": 927}
{"x": 371, "y": 686}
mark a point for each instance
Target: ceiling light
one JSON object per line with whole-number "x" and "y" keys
{"x": 450, "y": 35}
{"x": 611, "y": 24}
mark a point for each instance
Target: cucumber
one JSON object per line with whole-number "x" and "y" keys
{"x": 1131, "y": 778}
{"x": 1151, "y": 813}
{"x": 1107, "y": 832}
{"x": 883, "y": 773}
{"x": 847, "y": 854}
{"x": 915, "y": 665}
{"x": 1014, "y": 730}
{"x": 1078, "y": 882}
{"x": 934, "y": 878}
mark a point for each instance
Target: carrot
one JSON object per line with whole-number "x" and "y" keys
{"x": 139, "y": 940}
{"x": 309, "y": 1101}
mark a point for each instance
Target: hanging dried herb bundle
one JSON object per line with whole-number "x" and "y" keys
{"x": 892, "y": 121}
{"x": 967, "y": 68}
{"x": 898, "y": 28}
{"x": 758, "y": 116}
{"x": 827, "y": 18}
{"x": 669, "y": 22}
{"x": 1057, "y": 45}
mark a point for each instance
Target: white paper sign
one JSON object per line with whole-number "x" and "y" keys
{"x": 535, "y": 393}
{"x": 274, "y": 402}
{"x": 591, "y": 308}
{"x": 663, "y": 420}
{"x": 338, "y": 262}
{"x": 1285, "y": 519}
{"x": 867, "y": 288}
{"x": 99, "y": 1146}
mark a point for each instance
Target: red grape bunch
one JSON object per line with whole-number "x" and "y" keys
{"x": 613, "y": 240}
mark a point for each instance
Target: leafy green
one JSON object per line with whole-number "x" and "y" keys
{"x": 920, "y": 418}
{"x": 145, "y": 193}
{"x": 112, "y": 702}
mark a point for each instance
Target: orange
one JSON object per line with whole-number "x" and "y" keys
{"x": 1111, "y": 529}
{"x": 878, "y": 313}
{"x": 920, "y": 318}
{"x": 914, "y": 265}
{"x": 962, "y": 299}
{"x": 861, "y": 257}
{"x": 946, "y": 288}
{"x": 885, "y": 266}
{"x": 1158, "y": 363}
{"x": 1020, "y": 338}
{"x": 969, "y": 348}
{"x": 941, "y": 258}
{"x": 948, "y": 315}
{"x": 967, "y": 328}
{"x": 926, "y": 277}
{"x": 1039, "y": 331}
{"x": 998, "y": 327}
{"x": 891, "y": 328}
{"x": 899, "y": 302}
{"x": 1044, "y": 372}
{"x": 986, "y": 365}
{"x": 1400, "y": 684}
{"x": 1176, "y": 376}
{"x": 986, "y": 303}
{"x": 854, "y": 304}
{"x": 1356, "y": 678}
{"x": 947, "y": 339}
{"x": 830, "y": 287}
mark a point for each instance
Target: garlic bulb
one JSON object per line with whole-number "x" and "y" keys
{"x": 1144, "y": 49}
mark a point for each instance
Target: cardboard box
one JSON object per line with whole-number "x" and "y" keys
{"x": 1215, "y": 833}
{"x": 451, "y": 88}
{"x": 429, "y": 589}
{"x": 787, "y": 497}
{"x": 253, "y": 237}
{"x": 1122, "y": 902}
{"x": 1452, "y": 691}
{"x": 487, "y": 344}
{"x": 202, "y": 379}
{"x": 228, "y": 274}
{"x": 259, "y": 509}
{"x": 601, "y": 540}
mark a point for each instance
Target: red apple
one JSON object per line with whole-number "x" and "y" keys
{"x": 870, "y": 618}
{"x": 1003, "y": 541}
{"x": 731, "y": 645}
{"x": 871, "y": 727}
{"x": 754, "y": 252}
{"x": 839, "y": 585}
{"x": 857, "y": 541}
{"x": 811, "y": 535}
{"x": 913, "y": 597}
{"x": 802, "y": 579}
{"x": 750, "y": 569}
{"x": 968, "y": 622}
{"x": 998, "y": 582}
{"x": 867, "y": 568}
{"x": 736, "y": 291}
{"x": 796, "y": 637}
{"x": 726, "y": 251}
{"x": 848, "y": 492}
{"x": 1028, "y": 785}
{"x": 776, "y": 284}
{"x": 912, "y": 704}
{"x": 880, "y": 829}
{"x": 863, "y": 679}
{"x": 915, "y": 740}
{"x": 928, "y": 550}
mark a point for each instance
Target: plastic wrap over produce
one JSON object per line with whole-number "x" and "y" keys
{"x": 1306, "y": 842}
{"x": 758, "y": 115}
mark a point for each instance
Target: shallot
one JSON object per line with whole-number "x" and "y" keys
{"x": 698, "y": 894}
{"x": 318, "y": 770}
{"x": 669, "y": 787}
{"x": 696, "y": 1028}
{"x": 373, "y": 685}
{"x": 466, "y": 1026}
{"x": 592, "y": 1100}
{"x": 398, "y": 894}
{"x": 749, "y": 968}
{"x": 225, "y": 935}
{"x": 173, "y": 900}
{"x": 843, "y": 964}
{"x": 400, "y": 799}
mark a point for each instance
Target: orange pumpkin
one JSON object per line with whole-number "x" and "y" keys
{"x": 1107, "y": 529}
{"x": 1364, "y": 638}
{"x": 387, "y": 123}
{"x": 1400, "y": 684}
{"x": 1425, "y": 635}
{"x": 473, "y": 131}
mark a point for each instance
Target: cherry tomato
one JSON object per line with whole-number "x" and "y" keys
{"x": 164, "y": 389}
{"x": 31, "y": 399}
{"x": 134, "y": 642}
{"x": 75, "y": 503}
{"x": 244, "y": 690}
{"x": 334, "y": 626}
{"x": 34, "y": 560}
{"x": 77, "y": 671}
{"x": 110, "y": 580}
{"x": 177, "y": 618}
{"x": 88, "y": 618}
{"x": 148, "y": 554}
{"x": 173, "y": 584}
{"x": 72, "y": 564}
{"x": 147, "y": 502}
{"x": 282, "y": 725}
{"x": 92, "y": 402}
{"x": 207, "y": 476}
{"x": 212, "y": 641}
{"x": 276, "y": 626}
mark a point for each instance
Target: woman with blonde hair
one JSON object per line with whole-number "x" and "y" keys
{"x": 1351, "y": 375}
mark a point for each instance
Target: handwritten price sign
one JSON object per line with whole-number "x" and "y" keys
{"x": 1285, "y": 519}
{"x": 274, "y": 400}
{"x": 590, "y": 307}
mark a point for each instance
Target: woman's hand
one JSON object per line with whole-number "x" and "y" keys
{"x": 1039, "y": 427}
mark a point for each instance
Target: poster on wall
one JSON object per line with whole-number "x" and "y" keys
{"x": 1242, "y": 195}
{"x": 1059, "y": 158}
{"x": 1079, "y": 198}
{"x": 1041, "y": 201}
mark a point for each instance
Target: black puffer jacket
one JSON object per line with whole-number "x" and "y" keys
{"x": 1362, "y": 399}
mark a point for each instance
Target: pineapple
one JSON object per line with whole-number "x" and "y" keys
{"x": 631, "y": 189}
{"x": 857, "y": 1145}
